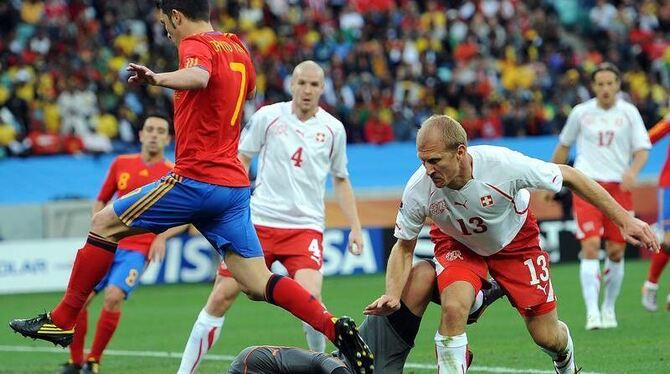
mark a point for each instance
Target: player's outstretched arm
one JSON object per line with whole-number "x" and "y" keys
{"x": 193, "y": 78}
{"x": 158, "y": 246}
{"x": 660, "y": 130}
{"x": 397, "y": 272}
{"x": 634, "y": 230}
{"x": 347, "y": 202}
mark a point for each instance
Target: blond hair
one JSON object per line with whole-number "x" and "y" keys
{"x": 453, "y": 134}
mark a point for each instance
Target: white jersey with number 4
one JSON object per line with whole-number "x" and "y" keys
{"x": 488, "y": 212}
{"x": 606, "y": 139}
{"x": 294, "y": 160}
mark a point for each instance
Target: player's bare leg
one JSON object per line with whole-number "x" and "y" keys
{"x": 91, "y": 264}
{"x": 589, "y": 275}
{"x": 613, "y": 277}
{"x": 553, "y": 337}
{"x": 312, "y": 280}
{"x": 260, "y": 284}
{"x": 207, "y": 327}
{"x": 451, "y": 342}
{"x": 650, "y": 287}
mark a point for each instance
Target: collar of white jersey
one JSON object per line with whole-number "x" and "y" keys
{"x": 290, "y": 111}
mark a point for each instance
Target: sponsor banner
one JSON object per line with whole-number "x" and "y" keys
{"x": 45, "y": 265}
{"x": 36, "y": 265}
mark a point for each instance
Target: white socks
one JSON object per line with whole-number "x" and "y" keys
{"x": 564, "y": 361}
{"x": 613, "y": 279}
{"x": 205, "y": 333}
{"x": 589, "y": 274}
{"x": 316, "y": 341}
{"x": 451, "y": 352}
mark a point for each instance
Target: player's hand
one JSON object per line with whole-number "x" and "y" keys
{"x": 383, "y": 306}
{"x": 356, "y": 242}
{"x": 627, "y": 181}
{"x": 638, "y": 232}
{"x": 141, "y": 74}
{"x": 157, "y": 249}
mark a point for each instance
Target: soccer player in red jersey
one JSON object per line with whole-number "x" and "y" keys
{"x": 208, "y": 188}
{"x": 660, "y": 259}
{"x": 127, "y": 173}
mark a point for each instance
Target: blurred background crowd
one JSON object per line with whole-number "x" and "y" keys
{"x": 501, "y": 67}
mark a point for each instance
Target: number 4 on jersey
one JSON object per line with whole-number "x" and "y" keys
{"x": 297, "y": 158}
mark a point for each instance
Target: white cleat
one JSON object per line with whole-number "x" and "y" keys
{"x": 567, "y": 369}
{"x": 593, "y": 322}
{"x": 649, "y": 295}
{"x": 608, "y": 320}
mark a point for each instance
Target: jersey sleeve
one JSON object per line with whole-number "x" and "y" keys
{"x": 411, "y": 214}
{"x": 195, "y": 53}
{"x": 253, "y": 134}
{"x": 108, "y": 188}
{"x": 640, "y": 137}
{"x": 528, "y": 172}
{"x": 570, "y": 131}
{"x": 660, "y": 130}
{"x": 338, "y": 161}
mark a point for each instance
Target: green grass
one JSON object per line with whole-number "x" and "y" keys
{"x": 160, "y": 319}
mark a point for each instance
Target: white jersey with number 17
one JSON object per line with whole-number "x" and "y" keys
{"x": 606, "y": 139}
{"x": 487, "y": 213}
{"x": 294, "y": 160}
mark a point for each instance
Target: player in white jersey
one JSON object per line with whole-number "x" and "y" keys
{"x": 298, "y": 145}
{"x": 478, "y": 196}
{"x": 612, "y": 147}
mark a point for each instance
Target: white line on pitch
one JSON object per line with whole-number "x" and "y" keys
{"x": 228, "y": 358}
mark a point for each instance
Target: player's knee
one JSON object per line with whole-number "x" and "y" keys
{"x": 101, "y": 222}
{"x": 113, "y": 298}
{"x": 591, "y": 248}
{"x": 615, "y": 256}
{"x": 455, "y": 311}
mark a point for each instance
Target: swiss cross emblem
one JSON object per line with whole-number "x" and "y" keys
{"x": 486, "y": 200}
{"x": 320, "y": 137}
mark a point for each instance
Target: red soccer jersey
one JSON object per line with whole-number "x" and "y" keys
{"x": 127, "y": 173}
{"x": 656, "y": 133}
{"x": 207, "y": 121}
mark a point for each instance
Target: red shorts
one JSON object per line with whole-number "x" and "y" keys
{"x": 294, "y": 248}
{"x": 591, "y": 222}
{"x": 521, "y": 269}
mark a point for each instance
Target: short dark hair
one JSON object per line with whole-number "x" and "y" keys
{"x": 606, "y": 66}
{"x": 160, "y": 115}
{"x": 195, "y": 10}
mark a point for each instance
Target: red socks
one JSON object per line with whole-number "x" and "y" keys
{"x": 103, "y": 333}
{"x": 658, "y": 262}
{"x": 90, "y": 266}
{"x": 290, "y": 295}
{"x": 77, "y": 346}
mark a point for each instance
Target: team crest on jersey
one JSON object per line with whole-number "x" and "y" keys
{"x": 486, "y": 200}
{"x": 320, "y": 137}
{"x": 453, "y": 256}
{"x": 144, "y": 173}
{"x": 438, "y": 207}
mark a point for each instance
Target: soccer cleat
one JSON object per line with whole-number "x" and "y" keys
{"x": 491, "y": 294}
{"x": 649, "y": 295}
{"x": 41, "y": 327}
{"x": 565, "y": 369}
{"x": 471, "y": 357}
{"x": 667, "y": 303}
{"x": 70, "y": 368}
{"x": 90, "y": 367}
{"x": 352, "y": 346}
{"x": 608, "y": 319}
{"x": 593, "y": 322}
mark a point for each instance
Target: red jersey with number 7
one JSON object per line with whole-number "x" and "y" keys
{"x": 207, "y": 120}
{"x": 127, "y": 173}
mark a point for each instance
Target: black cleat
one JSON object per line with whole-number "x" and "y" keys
{"x": 41, "y": 327}
{"x": 352, "y": 346}
{"x": 70, "y": 368}
{"x": 491, "y": 294}
{"x": 471, "y": 357}
{"x": 91, "y": 367}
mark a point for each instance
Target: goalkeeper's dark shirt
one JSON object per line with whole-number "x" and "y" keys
{"x": 283, "y": 360}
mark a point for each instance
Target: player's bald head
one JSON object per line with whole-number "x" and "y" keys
{"x": 309, "y": 67}
{"x": 444, "y": 129}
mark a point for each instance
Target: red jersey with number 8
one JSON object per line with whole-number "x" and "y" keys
{"x": 207, "y": 121}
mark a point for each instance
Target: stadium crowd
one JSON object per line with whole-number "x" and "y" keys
{"x": 501, "y": 67}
